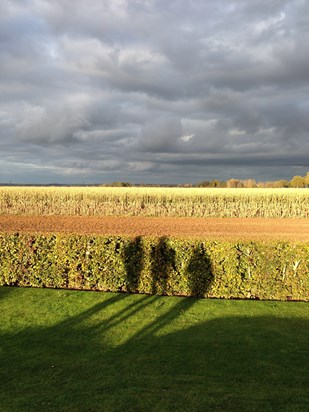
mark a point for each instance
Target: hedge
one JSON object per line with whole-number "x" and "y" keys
{"x": 165, "y": 266}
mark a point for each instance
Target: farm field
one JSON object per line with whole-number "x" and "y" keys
{"x": 210, "y": 228}
{"x": 231, "y": 213}
{"x": 174, "y": 241}
{"x": 77, "y": 351}
{"x": 155, "y": 202}
{"x": 69, "y": 350}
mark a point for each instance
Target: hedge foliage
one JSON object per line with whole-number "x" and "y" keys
{"x": 165, "y": 266}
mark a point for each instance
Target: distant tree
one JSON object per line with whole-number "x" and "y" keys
{"x": 250, "y": 183}
{"x": 234, "y": 183}
{"x": 215, "y": 183}
{"x": 117, "y": 184}
{"x": 231, "y": 183}
{"x": 281, "y": 183}
{"x": 298, "y": 181}
{"x": 185, "y": 185}
{"x": 306, "y": 179}
{"x": 204, "y": 183}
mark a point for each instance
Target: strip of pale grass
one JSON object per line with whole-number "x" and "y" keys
{"x": 198, "y": 202}
{"x": 77, "y": 351}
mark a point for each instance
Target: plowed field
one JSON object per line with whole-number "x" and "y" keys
{"x": 209, "y": 228}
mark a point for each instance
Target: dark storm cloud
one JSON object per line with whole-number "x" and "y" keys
{"x": 149, "y": 90}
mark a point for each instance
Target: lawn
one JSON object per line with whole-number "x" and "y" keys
{"x": 86, "y": 351}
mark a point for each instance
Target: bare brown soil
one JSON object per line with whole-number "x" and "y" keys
{"x": 208, "y": 228}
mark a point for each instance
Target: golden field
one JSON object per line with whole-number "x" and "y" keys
{"x": 155, "y": 202}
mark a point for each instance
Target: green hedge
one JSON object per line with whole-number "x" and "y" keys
{"x": 167, "y": 266}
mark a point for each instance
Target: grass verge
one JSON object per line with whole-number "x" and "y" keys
{"x": 75, "y": 351}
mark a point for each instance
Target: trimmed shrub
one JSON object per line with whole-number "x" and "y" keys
{"x": 165, "y": 266}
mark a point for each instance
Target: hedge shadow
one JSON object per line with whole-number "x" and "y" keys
{"x": 199, "y": 272}
{"x": 133, "y": 260}
{"x": 162, "y": 263}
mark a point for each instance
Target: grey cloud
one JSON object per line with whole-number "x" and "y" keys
{"x": 50, "y": 125}
{"x": 161, "y": 135}
{"x": 104, "y": 90}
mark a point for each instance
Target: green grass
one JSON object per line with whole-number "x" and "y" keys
{"x": 86, "y": 351}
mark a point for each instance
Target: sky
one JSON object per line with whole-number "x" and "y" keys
{"x": 153, "y": 91}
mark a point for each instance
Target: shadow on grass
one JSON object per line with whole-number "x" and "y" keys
{"x": 5, "y": 291}
{"x": 234, "y": 363}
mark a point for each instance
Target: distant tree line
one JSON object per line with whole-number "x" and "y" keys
{"x": 295, "y": 182}
{"x": 117, "y": 184}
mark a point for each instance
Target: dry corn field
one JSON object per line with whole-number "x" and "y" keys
{"x": 231, "y": 213}
{"x": 155, "y": 202}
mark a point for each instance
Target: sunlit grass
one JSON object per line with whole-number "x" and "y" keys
{"x": 86, "y": 351}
